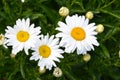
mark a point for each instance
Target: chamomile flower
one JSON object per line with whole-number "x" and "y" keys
{"x": 22, "y": 36}
{"x": 47, "y": 51}
{"x": 77, "y": 34}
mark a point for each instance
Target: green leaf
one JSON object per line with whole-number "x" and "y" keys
{"x": 110, "y": 33}
{"x": 21, "y": 66}
{"x": 69, "y": 75}
{"x": 105, "y": 51}
{"x": 51, "y": 14}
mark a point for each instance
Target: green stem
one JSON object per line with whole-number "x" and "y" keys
{"x": 73, "y": 2}
{"x": 68, "y": 75}
{"x": 20, "y": 11}
{"x": 21, "y": 66}
{"x": 110, "y": 13}
{"x": 12, "y": 74}
{"x": 108, "y": 4}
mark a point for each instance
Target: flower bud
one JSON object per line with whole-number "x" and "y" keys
{"x": 12, "y": 55}
{"x": 42, "y": 71}
{"x": 100, "y": 28}
{"x": 89, "y": 15}
{"x": 86, "y": 57}
{"x": 63, "y": 11}
{"x": 2, "y": 38}
{"x": 119, "y": 53}
{"x": 57, "y": 72}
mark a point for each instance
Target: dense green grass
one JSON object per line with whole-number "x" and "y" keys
{"x": 105, "y": 61}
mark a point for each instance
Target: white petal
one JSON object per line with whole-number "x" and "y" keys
{"x": 28, "y": 22}
{"x": 85, "y": 23}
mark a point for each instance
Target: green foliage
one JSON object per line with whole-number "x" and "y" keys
{"x": 105, "y": 61}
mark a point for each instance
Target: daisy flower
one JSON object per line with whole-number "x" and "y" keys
{"x": 22, "y": 36}
{"x": 47, "y": 51}
{"x": 77, "y": 34}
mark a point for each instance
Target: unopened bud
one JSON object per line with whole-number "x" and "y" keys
{"x": 57, "y": 72}
{"x": 86, "y": 57}
{"x": 89, "y": 15}
{"x": 63, "y": 11}
{"x": 119, "y": 53}
{"x": 42, "y": 71}
{"x": 2, "y": 38}
{"x": 100, "y": 28}
{"x": 12, "y": 55}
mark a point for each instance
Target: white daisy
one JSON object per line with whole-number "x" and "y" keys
{"x": 22, "y": 36}
{"x": 77, "y": 34}
{"x": 47, "y": 51}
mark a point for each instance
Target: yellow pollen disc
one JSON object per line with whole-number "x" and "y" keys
{"x": 44, "y": 51}
{"x": 23, "y": 36}
{"x": 78, "y": 33}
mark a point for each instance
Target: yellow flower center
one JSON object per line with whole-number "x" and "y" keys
{"x": 23, "y": 36}
{"x": 78, "y": 33}
{"x": 44, "y": 51}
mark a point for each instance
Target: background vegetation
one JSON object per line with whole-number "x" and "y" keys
{"x": 104, "y": 63}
